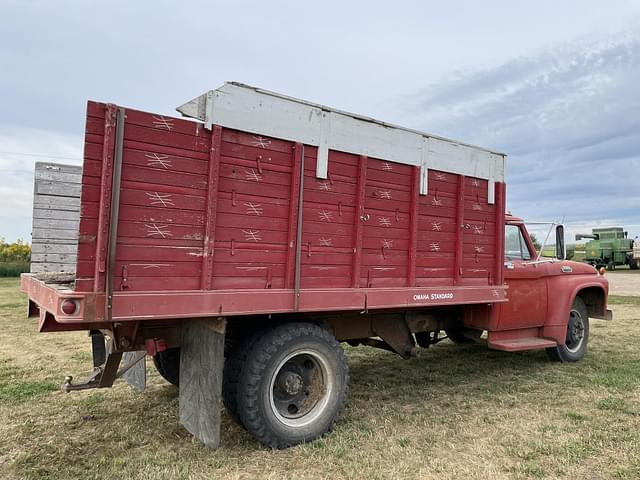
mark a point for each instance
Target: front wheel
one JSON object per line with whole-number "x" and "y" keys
{"x": 293, "y": 385}
{"x": 575, "y": 345}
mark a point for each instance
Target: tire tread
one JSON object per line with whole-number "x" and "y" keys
{"x": 257, "y": 362}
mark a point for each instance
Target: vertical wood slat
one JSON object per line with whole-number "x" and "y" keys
{"x": 499, "y": 238}
{"x": 358, "y": 221}
{"x": 294, "y": 197}
{"x": 211, "y": 208}
{"x": 104, "y": 212}
{"x": 413, "y": 227}
{"x": 457, "y": 265}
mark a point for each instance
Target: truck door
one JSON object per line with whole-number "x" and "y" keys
{"x": 527, "y": 292}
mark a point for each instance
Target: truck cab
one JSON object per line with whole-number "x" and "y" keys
{"x": 550, "y": 298}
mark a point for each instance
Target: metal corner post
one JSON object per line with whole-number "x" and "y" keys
{"x": 115, "y": 207}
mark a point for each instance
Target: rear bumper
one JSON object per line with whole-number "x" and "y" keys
{"x": 45, "y": 300}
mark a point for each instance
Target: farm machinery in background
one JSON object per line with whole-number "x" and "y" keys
{"x": 608, "y": 247}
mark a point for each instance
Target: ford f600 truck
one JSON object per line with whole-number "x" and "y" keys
{"x": 240, "y": 247}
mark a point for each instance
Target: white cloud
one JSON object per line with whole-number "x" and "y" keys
{"x": 20, "y": 149}
{"x": 569, "y": 119}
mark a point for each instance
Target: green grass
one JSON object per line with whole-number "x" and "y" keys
{"x": 452, "y": 412}
{"x": 623, "y": 300}
{"x": 13, "y": 269}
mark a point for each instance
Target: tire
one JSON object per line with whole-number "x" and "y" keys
{"x": 458, "y": 336}
{"x": 633, "y": 264}
{"x": 233, "y": 364}
{"x": 168, "y": 365}
{"x": 611, "y": 266}
{"x": 575, "y": 345}
{"x": 293, "y": 385}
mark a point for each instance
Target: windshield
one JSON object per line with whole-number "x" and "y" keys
{"x": 515, "y": 247}
{"x": 543, "y": 238}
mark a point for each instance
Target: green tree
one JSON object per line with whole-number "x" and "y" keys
{"x": 536, "y": 243}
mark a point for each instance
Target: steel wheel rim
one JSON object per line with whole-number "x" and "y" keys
{"x": 300, "y": 388}
{"x": 575, "y": 331}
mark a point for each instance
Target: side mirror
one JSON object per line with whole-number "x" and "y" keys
{"x": 560, "y": 250}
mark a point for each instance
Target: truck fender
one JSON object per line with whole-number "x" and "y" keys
{"x": 559, "y": 305}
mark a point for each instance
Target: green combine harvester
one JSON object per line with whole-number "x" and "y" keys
{"x": 608, "y": 247}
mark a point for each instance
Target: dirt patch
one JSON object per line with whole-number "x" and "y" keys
{"x": 624, "y": 284}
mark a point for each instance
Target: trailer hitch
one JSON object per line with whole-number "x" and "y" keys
{"x": 105, "y": 367}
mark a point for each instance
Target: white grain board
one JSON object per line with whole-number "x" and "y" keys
{"x": 46, "y": 248}
{"x": 54, "y": 176}
{"x": 56, "y": 202}
{"x": 43, "y": 167}
{"x": 63, "y": 189}
{"x": 271, "y": 114}
{"x": 48, "y": 223}
{"x": 52, "y": 267}
{"x": 56, "y": 217}
{"x": 64, "y": 258}
{"x": 53, "y": 234}
{"x": 53, "y": 214}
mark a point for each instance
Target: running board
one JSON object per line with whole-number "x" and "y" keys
{"x": 521, "y": 344}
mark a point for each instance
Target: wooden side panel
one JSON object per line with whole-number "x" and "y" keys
{"x": 328, "y": 217}
{"x": 479, "y": 239}
{"x": 387, "y": 225}
{"x": 253, "y": 225}
{"x": 437, "y": 230}
{"x": 162, "y": 202}
{"x": 90, "y": 196}
{"x": 234, "y": 195}
{"x": 56, "y": 217}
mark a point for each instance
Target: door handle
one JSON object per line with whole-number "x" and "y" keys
{"x": 509, "y": 265}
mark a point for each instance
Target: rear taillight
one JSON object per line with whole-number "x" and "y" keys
{"x": 69, "y": 306}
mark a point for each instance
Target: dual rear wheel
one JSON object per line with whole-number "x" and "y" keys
{"x": 285, "y": 385}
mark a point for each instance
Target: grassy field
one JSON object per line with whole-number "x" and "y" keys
{"x": 453, "y": 412}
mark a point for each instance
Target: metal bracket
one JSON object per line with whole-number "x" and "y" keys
{"x": 395, "y": 333}
{"x": 103, "y": 375}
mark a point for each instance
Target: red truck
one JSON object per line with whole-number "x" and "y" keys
{"x": 240, "y": 248}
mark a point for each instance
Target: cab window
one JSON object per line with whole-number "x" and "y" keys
{"x": 515, "y": 247}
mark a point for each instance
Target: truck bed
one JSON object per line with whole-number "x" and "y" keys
{"x": 229, "y": 222}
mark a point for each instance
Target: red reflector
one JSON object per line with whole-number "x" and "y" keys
{"x": 161, "y": 345}
{"x": 150, "y": 346}
{"x": 155, "y": 345}
{"x": 69, "y": 307}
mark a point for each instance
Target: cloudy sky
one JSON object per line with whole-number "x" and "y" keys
{"x": 556, "y": 85}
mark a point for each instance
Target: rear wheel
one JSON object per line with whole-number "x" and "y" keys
{"x": 575, "y": 345}
{"x": 236, "y": 358}
{"x": 168, "y": 365}
{"x": 293, "y": 385}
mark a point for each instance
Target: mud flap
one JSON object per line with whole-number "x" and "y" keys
{"x": 201, "y": 363}
{"x": 136, "y": 375}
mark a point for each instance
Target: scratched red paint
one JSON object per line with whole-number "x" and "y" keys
{"x": 365, "y": 225}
